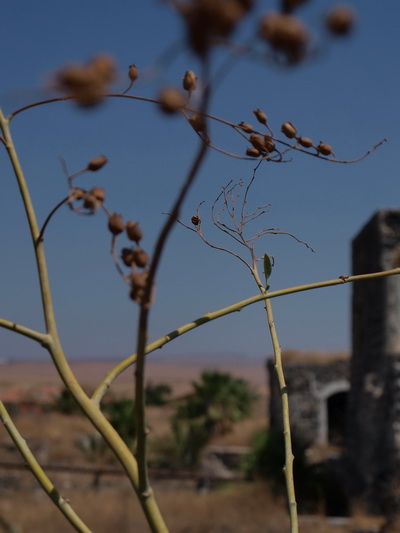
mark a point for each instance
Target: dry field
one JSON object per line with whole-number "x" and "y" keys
{"x": 111, "y": 506}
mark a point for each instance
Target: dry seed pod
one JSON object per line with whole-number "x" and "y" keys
{"x": 257, "y": 142}
{"x": 116, "y": 224}
{"x": 99, "y": 193}
{"x": 76, "y": 194}
{"x": 140, "y": 257}
{"x": 138, "y": 280}
{"x": 96, "y": 163}
{"x": 195, "y": 220}
{"x": 91, "y": 202}
{"x": 252, "y": 152}
{"x": 248, "y": 128}
{"x": 286, "y": 34}
{"x": 171, "y": 100}
{"x": 340, "y": 20}
{"x": 324, "y": 149}
{"x": 127, "y": 257}
{"x": 190, "y": 81}
{"x": 269, "y": 143}
{"x": 133, "y": 73}
{"x": 306, "y": 142}
{"x": 197, "y": 122}
{"x": 104, "y": 68}
{"x": 133, "y": 231}
{"x": 261, "y": 116}
{"x": 289, "y": 130}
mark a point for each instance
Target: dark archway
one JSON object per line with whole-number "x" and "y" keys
{"x": 337, "y": 405}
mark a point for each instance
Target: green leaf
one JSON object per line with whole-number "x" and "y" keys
{"x": 267, "y": 268}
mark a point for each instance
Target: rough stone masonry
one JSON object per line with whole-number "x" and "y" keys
{"x": 373, "y": 413}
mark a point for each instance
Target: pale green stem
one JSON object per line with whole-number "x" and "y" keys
{"x": 52, "y": 343}
{"x": 40, "y": 474}
{"x": 105, "y": 384}
{"x": 288, "y": 467}
{"x": 41, "y": 338}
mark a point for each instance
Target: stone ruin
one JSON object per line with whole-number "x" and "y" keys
{"x": 355, "y": 404}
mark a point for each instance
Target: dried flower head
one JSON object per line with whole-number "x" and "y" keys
{"x": 133, "y": 231}
{"x": 289, "y": 130}
{"x": 76, "y": 194}
{"x": 261, "y": 116}
{"x": 248, "y": 128}
{"x": 286, "y": 34}
{"x": 91, "y": 202}
{"x": 197, "y": 122}
{"x": 127, "y": 257}
{"x": 195, "y": 220}
{"x": 209, "y": 20}
{"x": 99, "y": 193}
{"x": 306, "y": 142}
{"x": 133, "y": 73}
{"x": 171, "y": 100}
{"x": 340, "y": 21}
{"x": 324, "y": 149}
{"x": 140, "y": 257}
{"x": 190, "y": 81}
{"x": 116, "y": 224}
{"x": 252, "y": 152}
{"x": 87, "y": 83}
{"x": 257, "y": 142}
{"x": 97, "y": 163}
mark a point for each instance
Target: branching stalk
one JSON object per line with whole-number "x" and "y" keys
{"x": 106, "y": 383}
{"x": 52, "y": 342}
{"x": 41, "y": 476}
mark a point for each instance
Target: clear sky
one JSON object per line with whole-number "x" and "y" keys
{"x": 347, "y": 96}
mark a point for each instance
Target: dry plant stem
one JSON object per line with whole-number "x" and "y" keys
{"x": 104, "y": 386}
{"x": 39, "y": 473}
{"x": 142, "y": 431}
{"x": 52, "y": 343}
{"x": 288, "y": 468}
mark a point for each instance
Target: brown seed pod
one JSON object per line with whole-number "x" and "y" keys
{"x": 133, "y": 231}
{"x": 269, "y": 143}
{"x": 248, "y": 128}
{"x": 257, "y": 142}
{"x": 87, "y": 83}
{"x": 261, "y": 116}
{"x": 140, "y": 257}
{"x": 76, "y": 194}
{"x": 91, "y": 202}
{"x": 197, "y": 122}
{"x": 340, "y": 21}
{"x": 99, "y": 193}
{"x": 138, "y": 280}
{"x": 171, "y": 100}
{"x": 324, "y": 149}
{"x": 289, "y": 130}
{"x": 127, "y": 257}
{"x": 252, "y": 152}
{"x": 190, "y": 81}
{"x": 96, "y": 163}
{"x": 306, "y": 142}
{"x": 195, "y": 220}
{"x": 116, "y": 224}
{"x": 133, "y": 73}
{"x": 286, "y": 34}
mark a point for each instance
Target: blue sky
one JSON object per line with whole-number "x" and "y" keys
{"x": 347, "y": 96}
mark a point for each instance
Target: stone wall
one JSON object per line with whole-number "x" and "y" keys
{"x": 373, "y": 425}
{"x": 313, "y": 389}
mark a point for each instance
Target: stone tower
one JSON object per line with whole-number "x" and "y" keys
{"x": 373, "y": 416}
